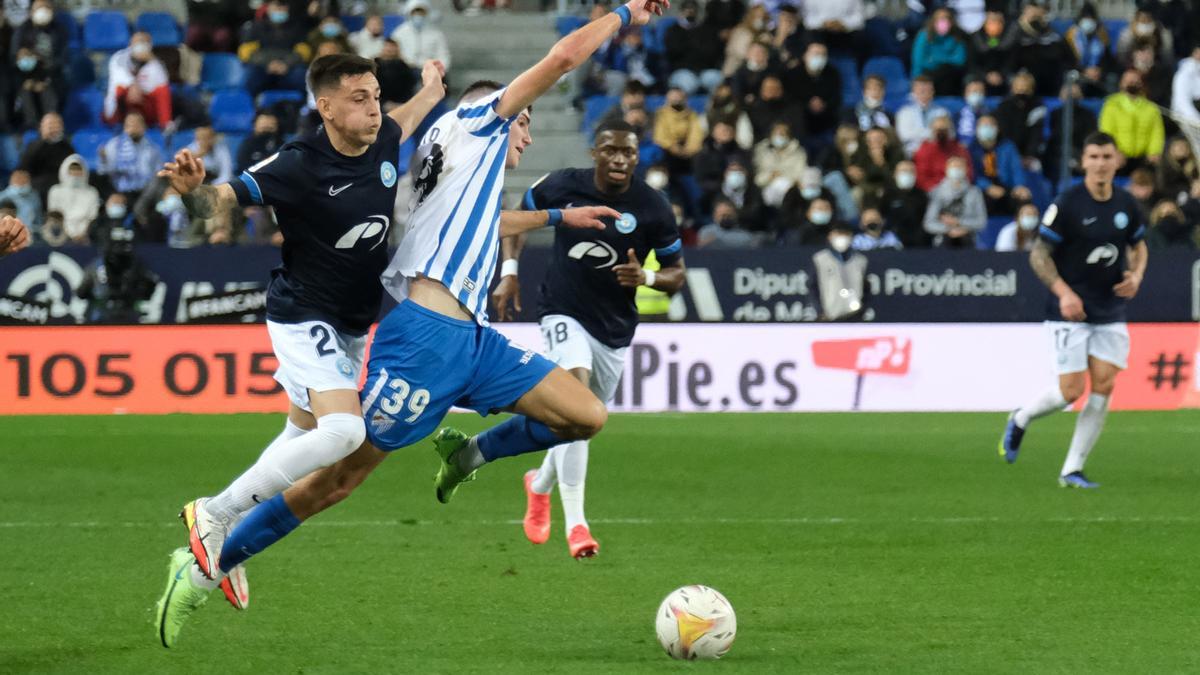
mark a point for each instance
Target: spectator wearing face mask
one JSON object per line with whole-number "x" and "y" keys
{"x": 330, "y": 29}
{"x": 130, "y": 160}
{"x": 368, "y": 42}
{"x": 1020, "y": 234}
{"x": 817, "y": 88}
{"x": 1170, "y": 229}
{"x": 35, "y": 92}
{"x": 76, "y": 200}
{"x": 44, "y": 157}
{"x": 115, "y": 213}
{"x": 991, "y": 51}
{"x": 53, "y": 234}
{"x": 26, "y": 201}
{"x": 725, "y": 230}
{"x": 275, "y": 51}
{"x": 218, "y": 161}
{"x": 47, "y": 36}
{"x": 1178, "y": 171}
{"x": 914, "y": 121}
{"x": 1022, "y": 117}
{"x": 869, "y": 111}
{"x": 873, "y": 235}
{"x": 1036, "y": 48}
{"x": 933, "y": 155}
{"x": 940, "y": 51}
{"x": 264, "y": 142}
{"x": 997, "y": 169}
{"x": 740, "y": 190}
{"x": 841, "y": 276}
{"x": 1145, "y": 29}
{"x": 815, "y": 225}
{"x": 779, "y": 162}
{"x": 974, "y": 107}
{"x": 1089, "y": 42}
{"x": 1134, "y": 122}
{"x": 747, "y": 80}
{"x": 693, "y": 51}
{"x": 678, "y": 131}
{"x": 137, "y": 82}
{"x": 871, "y": 167}
{"x": 753, "y": 28}
{"x": 903, "y": 207}
{"x": 956, "y": 211}
{"x": 419, "y": 40}
{"x": 1156, "y": 77}
{"x": 794, "y": 209}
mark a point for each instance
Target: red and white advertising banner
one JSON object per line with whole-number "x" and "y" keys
{"x": 686, "y": 368}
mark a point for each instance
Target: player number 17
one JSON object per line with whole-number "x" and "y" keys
{"x": 394, "y": 404}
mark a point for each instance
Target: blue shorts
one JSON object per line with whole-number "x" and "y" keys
{"x": 423, "y": 363}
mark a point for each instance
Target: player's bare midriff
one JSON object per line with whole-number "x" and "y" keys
{"x": 433, "y": 295}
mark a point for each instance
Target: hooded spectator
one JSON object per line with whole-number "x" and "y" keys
{"x": 74, "y": 198}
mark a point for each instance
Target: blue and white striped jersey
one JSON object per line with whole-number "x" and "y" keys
{"x": 453, "y": 233}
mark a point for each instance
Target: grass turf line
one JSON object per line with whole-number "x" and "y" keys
{"x": 847, "y": 543}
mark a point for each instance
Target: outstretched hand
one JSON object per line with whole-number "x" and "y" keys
{"x": 640, "y": 11}
{"x": 433, "y": 73}
{"x": 588, "y": 217}
{"x": 186, "y": 173}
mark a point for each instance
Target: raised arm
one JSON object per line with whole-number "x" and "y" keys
{"x": 410, "y": 115}
{"x": 186, "y": 175}
{"x": 581, "y": 217}
{"x": 573, "y": 51}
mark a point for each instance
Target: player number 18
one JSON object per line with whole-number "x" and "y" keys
{"x": 394, "y": 404}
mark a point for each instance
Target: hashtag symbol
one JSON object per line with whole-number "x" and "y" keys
{"x": 1177, "y": 367}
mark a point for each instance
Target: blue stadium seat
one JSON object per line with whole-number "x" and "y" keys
{"x": 81, "y": 70}
{"x": 1092, "y": 104}
{"x": 698, "y": 103}
{"x": 653, "y": 103}
{"x": 180, "y": 140}
{"x": 87, "y": 143}
{"x": 1115, "y": 27}
{"x": 851, "y": 85}
{"x": 407, "y": 149}
{"x": 10, "y": 154}
{"x": 232, "y": 111}
{"x": 272, "y": 96}
{"x": 391, "y": 22}
{"x": 594, "y": 108}
{"x": 74, "y": 31}
{"x": 568, "y": 24}
{"x": 952, "y": 104}
{"x": 233, "y": 142}
{"x": 222, "y": 71}
{"x": 105, "y": 31}
{"x": 29, "y": 137}
{"x": 354, "y": 22}
{"x": 891, "y": 69}
{"x": 986, "y": 240}
{"x": 1060, "y": 25}
{"x": 161, "y": 26}
{"x": 155, "y": 136}
{"x": 655, "y": 34}
{"x": 83, "y": 109}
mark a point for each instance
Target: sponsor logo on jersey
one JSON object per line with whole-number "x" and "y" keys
{"x": 382, "y": 422}
{"x": 338, "y": 191}
{"x": 596, "y": 253}
{"x": 387, "y": 174}
{"x": 376, "y": 226}
{"x": 1121, "y": 221}
{"x": 626, "y": 223}
{"x": 1106, "y": 254}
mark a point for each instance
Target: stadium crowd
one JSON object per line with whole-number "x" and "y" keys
{"x": 765, "y": 124}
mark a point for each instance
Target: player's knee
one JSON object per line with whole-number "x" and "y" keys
{"x": 1071, "y": 391}
{"x": 345, "y": 433}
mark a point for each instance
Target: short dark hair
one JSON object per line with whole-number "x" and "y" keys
{"x": 876, "y": 77}
{"x": 327, "y": 71}
{"x": 923, "y": 78}
{"x": 634, "y": 87}
{"x": 618, "y": 126}
{"x": 480, "y": 85}
{"x": 1099, "y": 138}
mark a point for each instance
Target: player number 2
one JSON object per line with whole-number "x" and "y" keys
{"x": 394, "y": 404}
{"x": 322, "y": 333}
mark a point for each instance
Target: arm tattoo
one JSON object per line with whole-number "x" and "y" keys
{"x": 1043, "y": 264}
{"x": 202, "y": 202}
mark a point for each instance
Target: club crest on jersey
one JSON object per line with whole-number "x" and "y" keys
{"x": 1121, "y": 221}
{"x": 596, "y": 253}
{"x": 387, "y": 174}
{"x": 376, "y": 226}
{"x": 1106, "y": 254}
{"x": 345, "y": 367}
{"x": 626, "y": 223}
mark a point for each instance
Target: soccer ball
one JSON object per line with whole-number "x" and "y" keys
{"x": 695, "y": 622}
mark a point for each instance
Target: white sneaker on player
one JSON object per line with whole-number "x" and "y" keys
{"x": 206, "y": 535}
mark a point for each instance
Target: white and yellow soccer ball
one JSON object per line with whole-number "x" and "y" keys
{"x": 695, "y": 622}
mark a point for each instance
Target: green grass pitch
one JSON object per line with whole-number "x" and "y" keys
{"x": 846, "y": 543}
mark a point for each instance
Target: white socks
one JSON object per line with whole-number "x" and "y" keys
{"x": 287, "y": 460}
{"x": 566, "y": 463}
{"x": 1087, "y": 431}
{"x": 1049, "y": 401}
{"x": 200, "y": 580}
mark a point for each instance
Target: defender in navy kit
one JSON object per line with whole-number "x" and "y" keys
{"x": 1091, "y": 255}
{"x": 587, "y": 302}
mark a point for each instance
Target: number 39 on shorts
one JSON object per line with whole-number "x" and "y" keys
{"x": 396, "y": 400}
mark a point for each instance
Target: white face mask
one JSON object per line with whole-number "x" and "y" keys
{"x": 974, "y": 99}
{"x": 656, "y": 179}
{"x": 779, "y": 142}
{"x": 115, "y": 211}
{"x": 1143, "y": 29}
{"x": 140, "y": 49}
{"x": 1027, "y": 222}
{"x": 840, "y": 242}
{"x": 821, "y": 217}
{"x": 871, "y": 101}
{"x": 810, "y": 192}
{"x": 851, "y": 147}
{"x": 735, "y": 180}
{"x": 42, "y": 16}
{"x": 906, "y": 180}
{"x": 815, "y": 63}
{"x": 1087, "y": 25}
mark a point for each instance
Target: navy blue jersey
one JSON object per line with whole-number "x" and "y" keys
{"x": 334, "y": 212}
{"x": 1090, "y": 240}
{"x": 580, "y": 282}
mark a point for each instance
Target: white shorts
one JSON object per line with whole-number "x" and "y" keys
{"x": 312, "y": 355}
{"x": 570, "y": 346}
{"x": 1074, "y": 342}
